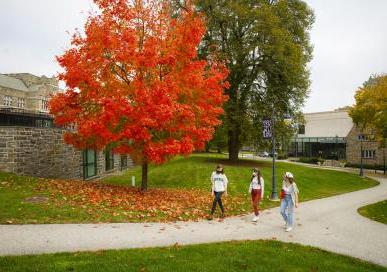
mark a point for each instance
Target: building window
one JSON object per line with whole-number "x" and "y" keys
{"x": 89, "y": 163}
{"x": 44, "y": 103}
{"x": 109, "y": 159}
{"x": 124, "y": 161}
{"x": 21, "y": 103}
{"x": 366, "y": 137}
{"x": 301, "y": 129}
{"x": 368, "y": 154}
{"x": 7, "y": 101}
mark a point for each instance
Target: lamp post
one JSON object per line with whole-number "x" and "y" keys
{"x": 384, "y": 156}
{"x": 274, "y": 193}
{"x": 361, "y": 155}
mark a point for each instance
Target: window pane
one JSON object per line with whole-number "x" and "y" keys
{"x": 90, "y": 156}
{"x": 90, "y": 170}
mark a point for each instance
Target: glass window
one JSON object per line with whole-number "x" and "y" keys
{"x": 124, "y": 161}
{"x": 89, "y": 163}
{"x": 21, "y": 103}
{"x": 368, "y": 154}
{"x": 7, "y": 101}
{"x": 109, "y": 159}
{"x": 44, "y": 103}
{"x": 301, "y": 129}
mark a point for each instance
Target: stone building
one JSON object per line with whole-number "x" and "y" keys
{"x": 360, "y": 143}
{"x": 26, "y": 91}
{"x": 333, "y": 135}
{"x": 30, "y": 144}
{"x": 42, "y": 152}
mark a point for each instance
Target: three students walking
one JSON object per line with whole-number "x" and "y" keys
{"x": 289, "y": 194}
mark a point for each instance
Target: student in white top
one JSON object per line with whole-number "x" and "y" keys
{"x": 289, "y": 200}
{"x": 256, "y": 189}
{"x": 219, "y": 187}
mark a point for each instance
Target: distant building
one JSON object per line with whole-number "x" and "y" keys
{"x": 27, "y": 92}
{"x": 333, "y": 135}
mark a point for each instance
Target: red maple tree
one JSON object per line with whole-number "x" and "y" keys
{"x": 135, "y": 83}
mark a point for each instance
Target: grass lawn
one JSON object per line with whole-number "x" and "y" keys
{"x": 179, "y": 190}
{"x": 376, "y": 211}
{"x": 195, "y": 171}
{"x": 229, "y": 256}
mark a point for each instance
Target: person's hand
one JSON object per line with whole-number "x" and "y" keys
{"x": 212, "y": 194}
{"x": 296, "y": 205}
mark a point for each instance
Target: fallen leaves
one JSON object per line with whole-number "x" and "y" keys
{"x": 117, "y": 203}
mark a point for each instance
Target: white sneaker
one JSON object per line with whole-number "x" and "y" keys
{"x": 255, "y": 218}
{"x": 288, "y": 229}
{"x": 285, "y": 226}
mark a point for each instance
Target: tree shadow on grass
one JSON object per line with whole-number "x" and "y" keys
{"x": 239, "y": 163}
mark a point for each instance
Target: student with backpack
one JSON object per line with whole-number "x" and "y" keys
{"x": 256, "y": 189}
{"x": 219, "y": 187}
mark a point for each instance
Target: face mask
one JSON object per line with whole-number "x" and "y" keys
{"x": 254, "y": 174}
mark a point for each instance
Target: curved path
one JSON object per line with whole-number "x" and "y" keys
{"x": 330, "y": 223}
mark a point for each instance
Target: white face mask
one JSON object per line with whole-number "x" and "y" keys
{"x": 254, "y": 174}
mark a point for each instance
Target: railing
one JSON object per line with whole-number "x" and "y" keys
{"x": 22, "y": 117}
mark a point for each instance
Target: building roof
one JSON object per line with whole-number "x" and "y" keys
{"x": 327, "y": 124}
{"x": 13, "y": 83}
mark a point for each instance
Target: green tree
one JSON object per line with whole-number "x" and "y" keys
{"x": 370, "y": 110}
{"x": 265, "y": 45}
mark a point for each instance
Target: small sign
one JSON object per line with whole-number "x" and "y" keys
{"x": 267, "y": 129}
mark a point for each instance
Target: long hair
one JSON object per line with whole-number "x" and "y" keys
{"x": 291, "y": 180}
{"x": 258, "y": 175}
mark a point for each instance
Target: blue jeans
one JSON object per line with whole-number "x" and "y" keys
{"x": 287, "y": 210}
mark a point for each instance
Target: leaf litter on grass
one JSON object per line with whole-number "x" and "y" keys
{"x": 105, "y": 202}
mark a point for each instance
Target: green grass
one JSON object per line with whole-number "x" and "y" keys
{"x": 376, "y": 211}
{"x": 229, "y": 256}
{"x": 14, "y": 190}
{"x": 183, "y": 173}
{"x": 195, "y": 171}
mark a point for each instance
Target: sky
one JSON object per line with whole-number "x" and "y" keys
{"x": 349, "y": 39}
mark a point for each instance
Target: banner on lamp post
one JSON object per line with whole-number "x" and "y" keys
{"x": 267, "y": 129}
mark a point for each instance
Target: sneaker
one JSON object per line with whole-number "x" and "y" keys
{"x": 255, "y": 218}
{"x": 288, "y": 229}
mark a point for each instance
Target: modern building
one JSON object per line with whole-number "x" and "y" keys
{"x": 333, "y": 135}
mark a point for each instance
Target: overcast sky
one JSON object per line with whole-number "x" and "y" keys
{"x": 349, "y": 38}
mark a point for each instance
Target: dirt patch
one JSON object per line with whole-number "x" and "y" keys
{"x": 36, "y": 199}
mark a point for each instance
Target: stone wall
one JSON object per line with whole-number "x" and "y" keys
{"x": 354, "y": 149}
{"x": 42, "y": 152}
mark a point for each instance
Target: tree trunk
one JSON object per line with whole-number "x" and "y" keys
{"x": 207, "y": 147}
{"x": 233, "y": 144}
{"x": 144, "y": 177}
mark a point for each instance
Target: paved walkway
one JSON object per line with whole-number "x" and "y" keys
{"x": 330, "y": 223}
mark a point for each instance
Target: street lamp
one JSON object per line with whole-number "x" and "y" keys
{"x": 269, "y": 132}
{"x": 361, "y": 155}
{"x": 274, "y": 193}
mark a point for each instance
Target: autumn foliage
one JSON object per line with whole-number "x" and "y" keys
{"x": 135, "y": 83}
